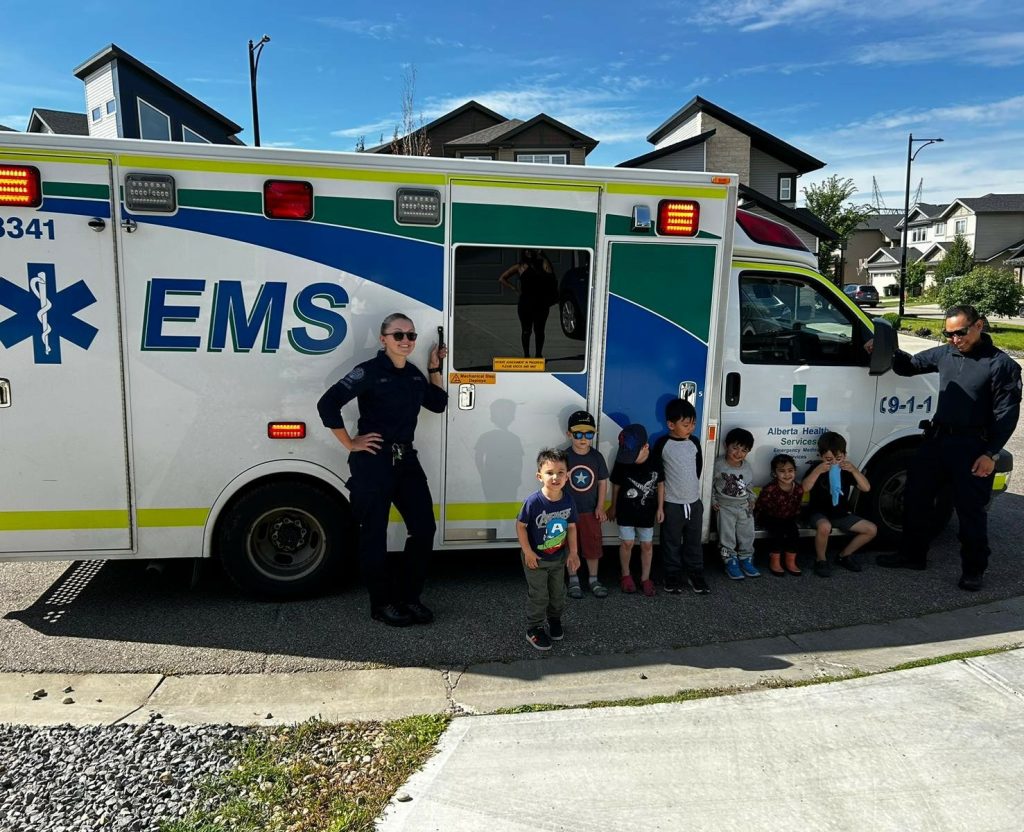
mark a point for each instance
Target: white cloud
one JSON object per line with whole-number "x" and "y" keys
{"x": 364, "y": 28}
{"x": 370, "y": 131}
{"x": 18, "y": 122}
{"x": 984, "y": 49}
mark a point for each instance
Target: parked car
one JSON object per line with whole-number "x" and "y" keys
{"x": 572, "y": 301}
{"x": 862, "y": 294}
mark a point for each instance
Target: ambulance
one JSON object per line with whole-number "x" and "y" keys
{"x": 170, "y": 314}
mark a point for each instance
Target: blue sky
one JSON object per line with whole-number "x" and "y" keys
{"x": 843, "y": 81}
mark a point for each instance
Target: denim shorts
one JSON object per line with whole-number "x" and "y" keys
{"x": 644, "y": 534}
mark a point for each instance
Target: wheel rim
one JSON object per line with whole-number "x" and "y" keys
{"x": 286, "y": 544}
{"x": 568, "y": 311}
{"x": 890, "y": 501}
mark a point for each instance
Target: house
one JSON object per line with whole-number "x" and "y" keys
{"x": 124, "y": 98}
{"x": 703, "y": 136}
{"x": 473, "y": 131}
{"x": 877, "y": 231}
{"x": 4, "y": 127}
{"x": 993, "y": 226}
{"x": 57, "y": 121}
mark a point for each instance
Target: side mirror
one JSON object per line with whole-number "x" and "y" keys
{"x": 885, "y": 345}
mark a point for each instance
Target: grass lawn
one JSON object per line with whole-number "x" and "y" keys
{"x": 1007, "y": 337}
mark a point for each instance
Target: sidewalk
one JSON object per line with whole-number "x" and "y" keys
{"x": 270, "y": 699}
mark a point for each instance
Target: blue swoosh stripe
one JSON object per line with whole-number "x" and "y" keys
{"x": 78, "y": 207}
{"x": 410, "y": 267}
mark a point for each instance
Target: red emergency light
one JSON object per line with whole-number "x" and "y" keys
{"x": 19, "y": 186}
{"x": 767, "y": 232}
{"x": 286, "y": 430}
{"x": 285, "y": 199}
{"x": 678, "y": 217}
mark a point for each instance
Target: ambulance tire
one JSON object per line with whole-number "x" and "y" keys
{"x": 285, "y": 539}
{"x": 883, "y": 504}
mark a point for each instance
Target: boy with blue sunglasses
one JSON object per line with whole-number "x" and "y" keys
{"x": 588, "y": 486}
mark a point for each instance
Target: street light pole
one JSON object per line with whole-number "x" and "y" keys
{"x": 255, "y": 50}
{"x": 906, "y": 214}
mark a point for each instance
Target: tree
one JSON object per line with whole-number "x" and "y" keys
{"x": 916, "y": 274}
{"x": 957, "y": 262}
{"x": 410, "y": 139}
{"x": 990, "y": 290}
{"x": 361, "y": 144}
{"x": 828, "y": 200}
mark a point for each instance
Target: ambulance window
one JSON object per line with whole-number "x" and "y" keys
{"x": 516, "y": 303}
{"x": 791, "y": 321}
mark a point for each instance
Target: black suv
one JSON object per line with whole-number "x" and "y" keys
{"x": 862, "y": 294}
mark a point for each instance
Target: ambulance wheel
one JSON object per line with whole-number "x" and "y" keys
{"x": 884, "y": 502}
{"x": 284, "y": 540}
{"x": 570, "y": 318}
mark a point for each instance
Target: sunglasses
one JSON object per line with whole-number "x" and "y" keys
{"x": 957, "y": 333}
{"x": 401, "y": 336}
{"x": 583, "y": 434}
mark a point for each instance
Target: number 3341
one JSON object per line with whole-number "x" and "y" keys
{"x": 15, "y": 228}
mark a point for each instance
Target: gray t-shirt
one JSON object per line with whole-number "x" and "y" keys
{"x": 585, "y": 472}
{"x": 678, "y": 464}
{"x": 731, "y": 485}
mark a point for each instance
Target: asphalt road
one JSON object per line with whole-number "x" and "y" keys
{"x": 110, "y": 617}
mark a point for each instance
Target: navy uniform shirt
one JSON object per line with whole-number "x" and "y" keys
{"x": 977, "y": 389}
{"x": 389, "y": 397}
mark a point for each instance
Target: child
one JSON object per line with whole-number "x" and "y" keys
{"x": 733, "y": 495}
{"x": 588, "y": 486}
{"x": 635, "y": 505}
{"x": 777, "y": 507}
{"x": 828, "y": 484}
{"x": 679, "y": 461}
{"x": 546, "y": 528}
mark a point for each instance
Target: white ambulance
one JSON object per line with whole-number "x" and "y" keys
{"x": 171, "y": 313}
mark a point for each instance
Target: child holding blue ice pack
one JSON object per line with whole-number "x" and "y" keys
{"x": 828, "y": 486}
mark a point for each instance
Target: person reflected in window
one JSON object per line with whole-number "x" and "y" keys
{"x": 538, "y": 290}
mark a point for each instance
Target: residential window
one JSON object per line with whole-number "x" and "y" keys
{"x": 97, "y": 113}
{"x": 960, "y": 226}
{"x": 189, "y": 135}
{"x": 940, "y": 229}
{"x": 544, "y": 158}
{"x": 152, "y": 123}
{"x": 111, "y": 107}
{"x": 785, "y": 188}
{"x": 918, "y": 235}
{"x": 487, "y": 157}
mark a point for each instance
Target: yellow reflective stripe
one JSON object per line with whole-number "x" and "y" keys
{"x": 530, "y": 185}
{"x": 265, "y": 169}
{"x": 39, "y": 521}
{"x": 482, "y": 511}
{"x": 776, "y": 267}
{"x": 156, "y": 517}
{"x": 644, "y": 189}
{"x": 58, "y": 155}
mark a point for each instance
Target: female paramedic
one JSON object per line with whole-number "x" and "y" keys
{"x": 384, "y": 467}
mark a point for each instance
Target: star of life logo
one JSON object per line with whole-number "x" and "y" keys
{"x": 799, "y": 404}
{"x": 44, "y": 314}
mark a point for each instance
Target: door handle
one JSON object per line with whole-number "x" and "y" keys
{"x": 732, "y": 389}
{"x": 5, "y": 393}
{"x": 467, "y": 396}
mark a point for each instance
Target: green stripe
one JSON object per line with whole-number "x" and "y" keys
{"x": 518, "y": 225}
{"x": 372, "y": 215}
{"x": 675, "y": 281}
{"x": 76, "y": 189}
{"x": 165, "y": 517}
{"x": 37, "y": 521}
{"x": 239, "y": 201}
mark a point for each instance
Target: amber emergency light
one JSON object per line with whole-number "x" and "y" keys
{"x": 286, "y": 430}
{"x": 678, "y": 217}
{"x": 19, "y": 186}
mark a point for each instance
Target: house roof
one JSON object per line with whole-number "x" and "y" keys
{"x": 654, "y": 155}
{"x": 115, "y": 52}
{"x": 934, "y": 249}
{"x": 883, "y": 253}
{"x": 887, "y": 224}
{"x": 800, "y": 217}
{"x": 1014, "y": 254}
{"x": 504, "y": 133}
{"x": 990, "y": 204}
{"x": 8, "y": 129}
{"x": 59, "y": 121}
{"x": 437, "y": 122}
{"x": 762, "y": 140}
{"x": 927, "y": 212}
{"x": 488, "y": 135}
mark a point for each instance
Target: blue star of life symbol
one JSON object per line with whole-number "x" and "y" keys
{"x": 44, "y": 314}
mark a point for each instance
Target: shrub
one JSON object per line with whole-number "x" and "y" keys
{"x": 893, "y": 318}
{"x": 923, "y": 332}
{"x": 990, "y": 290}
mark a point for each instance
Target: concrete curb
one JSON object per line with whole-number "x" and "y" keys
{"x": 272, "y": 699}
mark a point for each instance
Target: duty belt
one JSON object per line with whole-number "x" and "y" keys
{"x": 933, "y": 429}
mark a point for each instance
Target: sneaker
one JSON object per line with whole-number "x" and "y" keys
{"x": 673, "y": 585}
{"x": 698, "y": 584}
{"x": 732, "y": 568}
{"x": 575, "y": 591}
{"x": 747, "y": 565}
{"x": 391, "y": 615}
{"x": 627, "y": 584}
{"x": 851, "y": 562}
{"x": 538, "y": 638}
{"x": 648, "y": 588}
{"x": 420, "y": 613}
{"x": 822, "y": 569}
{"x": 555, "y": 630}
{"x": 599, "y": 589}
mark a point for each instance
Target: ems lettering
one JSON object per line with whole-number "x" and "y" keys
{"x": 173, "y": 303}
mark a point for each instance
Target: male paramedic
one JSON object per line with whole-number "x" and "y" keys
{"x": 384, "y": 467}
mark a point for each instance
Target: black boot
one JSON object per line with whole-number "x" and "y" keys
{"x": 420, "y": 614}
{"x": 391, "y": 615}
